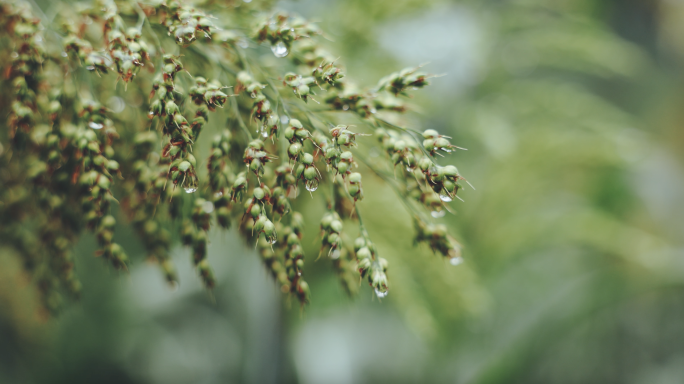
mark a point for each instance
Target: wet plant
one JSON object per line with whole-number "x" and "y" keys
{"x": 108, "y": 102}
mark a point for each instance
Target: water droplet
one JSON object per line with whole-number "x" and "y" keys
{"x": 247, "y": 1}
{"x": 345, "y": 107}
{"x": 437, "y": 214}
{"x": 263, "y": 131}
{"x": 381, "y": 294}
{"x": 456, "y": 260}
{"x": 14, "y": 55}
{"x": 190, "y": 189}
{"x": 208, "y": 207}
{"x": 252, "y": 95}
{"x": 414, "y": 88}
{"x": 271, "y": 240}
{"x": 312, "y": 185}
{"x": 64, "y": 54}
{"x": 279, "y": 49}
{"x": 335, "y": 254}
{"x": 447, "y": 150}
{"x": 445, "y": 198}
{"x": 373, "y": 110}
{"x": 284, "y": 119}
{"x": 408, "y": 169}
{"x": 90, "y": 67}
{"x": 242, "y": 43}
{"x": 95, "y": 125}
{"x": 218, "y": 194}
{"x": 150, "y": 114}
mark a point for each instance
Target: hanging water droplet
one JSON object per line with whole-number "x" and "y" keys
{"x": 279, "y": 49}
{"x": 312, "y": 185}
{"x": 445, "y": 198}
{"x": 373, "y": 110}
{"x": 150, "y": 114}
{"x": 95, "y": 125}
{"x": 437, "y": 214}
{"x": 64, "y": 54}
{"x": 208, "y": 207}
{"x": 456, "y": 260}
{"x": 345, "y": 107}
{"x": 218, "y": 194}
{"x": 190, "y": 189}
{"x": 447, "y": 150}
{"x": 408, "y": 169}
{"x": 263, "y": 131}
{"x": 381, "y": 294}
{"x": 284, "y": 119}
{"x": 90, "y": 67}
{"x": 247, "y": 1}
{"x": 271, "y": 240}
{"x": 335, "y": 254}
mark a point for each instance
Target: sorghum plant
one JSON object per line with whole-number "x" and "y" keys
{"x": 72, "y": 162}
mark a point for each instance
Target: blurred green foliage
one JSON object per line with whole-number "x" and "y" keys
{"x": 573, "y": 273}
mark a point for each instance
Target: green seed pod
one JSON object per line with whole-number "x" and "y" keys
{"x": 296, "y": 123}
{"x": 255, "y": 211}
{"x": 269, "y": 228}
{"x": 302, "y": 134}
{"x": 171, "y": 108}
{"x": 355, "y": 177}
{"x": 259, "y": 224}
{"x": 289, "y": 133}
{"x": 383, "y": 264}
{"x": 300, "y": 170}
{"x": 184, "y": 166}
{"x": 336, "y": 226}
{"x": 310, "y": 173}
{"x": 294, "y": 149}
{"x": 429, "y": 145}
{"x": 307, "y": 159}
{"x": 359, "y": 243}
{"x": 342, "y": 167}
{"x": 430, "y": 134}
{"x": 258, "y": 193}
{"x": 424, "y": 164}
{"x": 326, "y": 221}
{"x": 292, "y": 239}
{"x": 450, "y": 171}
{"x": 442, "y": 143}
{"x": 303, "y": 90}
{"x": 333, "y": 238}
{"x": 363, "y": 253}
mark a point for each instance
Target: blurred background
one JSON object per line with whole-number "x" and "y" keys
{"x": 572, "y": 111}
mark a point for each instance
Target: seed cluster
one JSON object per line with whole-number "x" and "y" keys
{"x": 68, "y": 155}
